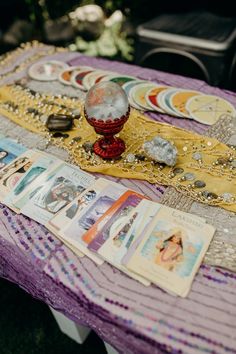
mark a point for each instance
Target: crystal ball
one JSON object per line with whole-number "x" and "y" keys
{"x": 106, "y": 101}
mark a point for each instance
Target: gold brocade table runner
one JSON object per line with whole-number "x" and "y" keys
{"x": 205, "y": 168}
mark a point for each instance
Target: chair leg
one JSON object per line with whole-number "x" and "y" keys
{"x": 110, "y": 349}
{"x": 76, "y": 332}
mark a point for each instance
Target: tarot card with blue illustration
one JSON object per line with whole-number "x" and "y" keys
{"x": 9, "y": 151}
{"x": 12, "y": 173}
{"x": 171, "y": 250}
{"x": 25, "y": 195}
{"x": 65, "y": 216}
{"x": 118, "y": 239}
{"x": 54, "y": 192}
{"x": 43, "y": 163}
{"x": 114, "y": 217}
{"x": 89, "y": 215}
{"x": 145, "y": 212}
{"x": 140, "y": 229}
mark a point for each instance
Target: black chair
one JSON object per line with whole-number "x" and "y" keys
{"x": 195, "y": 44}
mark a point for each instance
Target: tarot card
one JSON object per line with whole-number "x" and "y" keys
{"x": 140, "y": 228}
{"x": 65, "y": 216}
{"x": 11, "y": 174}
{"x": 163, "y": 100}
{"x": 25, "y": 195}
{"x": 118, "y": 79}
{"x": 92, "y": 233}
{"x": 171, "y": 250}
{"x": 41, "y": 165}
{"x": 9, "y": 151}
{"x": 56, "y": 190}
{"x": 127, "y": 88}
{"x": 151, "y": 97}
{"x": 65, "y": 76}
{"x": 88, "y": 215}
{"x": 90, "y": 79}
{"x": 208, "y": 109}
{"x": 179, "y": 100}
{"x": 46, "y": 70}
{"x": 145, "y": 212}
{"x": 113, "y": 217}
{"x": 138, "y": 94}
{"x": 78, "y": 76}
{"x": 112, "y": 245}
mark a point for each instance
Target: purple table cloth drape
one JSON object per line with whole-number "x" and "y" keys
{"x": 131, "y": 317}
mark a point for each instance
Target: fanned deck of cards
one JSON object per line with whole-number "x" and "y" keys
{"x": 104, "y": 220}
{"x": 142, "y": 95}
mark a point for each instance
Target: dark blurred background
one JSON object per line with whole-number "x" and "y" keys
{"x": 112, "y": 32}
{"x": 28, "y": 327}
{"x": 115, "y": 34}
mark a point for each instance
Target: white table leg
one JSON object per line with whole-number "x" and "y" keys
{"x": 110, "y": 349}
{"x": 76, "y": 332}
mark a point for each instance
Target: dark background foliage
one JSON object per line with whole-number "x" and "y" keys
{"x": 138, "y": 11}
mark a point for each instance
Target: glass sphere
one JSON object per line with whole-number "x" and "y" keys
{"x": 106, "y": 101}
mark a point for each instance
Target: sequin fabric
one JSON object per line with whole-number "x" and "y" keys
{"x": 131, "y": 317}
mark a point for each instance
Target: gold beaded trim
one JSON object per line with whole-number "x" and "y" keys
{"x": 11, "y": 57}
{"x": 197, "y": 155}
{"x": 222, "y": 130}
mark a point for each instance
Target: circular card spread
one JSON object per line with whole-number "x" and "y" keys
{"x": 47, "y": 70}
{"x": 179, "y": 100}
{"x": 138, "y": 93}
{"x": 90, "y": 79}
{"x": 119, "y": 79}
{"x": 98, "y": 79}
{"x": 77, "y": 78}
{"x": 127, "y": 88}
{"x": 151, "y": 97}
{"x": 207, "y": 109}
{"x": 163, "y": 100}
{"x": 65, "y": 76}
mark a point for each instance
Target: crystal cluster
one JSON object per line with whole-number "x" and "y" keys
{"x": 161, "y": 150}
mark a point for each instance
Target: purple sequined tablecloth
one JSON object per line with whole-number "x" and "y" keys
{"x": 131, "y": 317}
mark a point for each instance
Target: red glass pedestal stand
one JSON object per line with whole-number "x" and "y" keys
{"x": 108, "y": 147}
